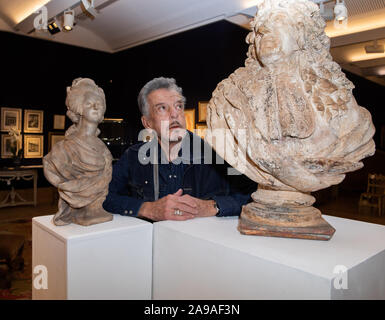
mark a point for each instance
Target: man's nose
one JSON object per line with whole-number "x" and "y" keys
{"x": 174, "y": 112}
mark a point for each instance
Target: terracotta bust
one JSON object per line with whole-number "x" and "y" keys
{"x": 80, "y": 165}
{"x": 294, "y": 125}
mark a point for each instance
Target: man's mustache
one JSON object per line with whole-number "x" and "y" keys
{"x": 174, "y": 123}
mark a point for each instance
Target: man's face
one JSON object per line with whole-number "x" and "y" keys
{"x": 166, "y": 110}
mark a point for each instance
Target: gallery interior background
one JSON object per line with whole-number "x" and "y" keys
{"x": 38, "y": 71}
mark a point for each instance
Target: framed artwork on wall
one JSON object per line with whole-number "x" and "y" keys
{"x": 54, "y": 137}
{"x": 59, "y": 122}
{"x": 33, "y": 146}
{"x": 201, "y": 130}
{"x": 33, "y": 121}
{"x": 190, "y": 119}
{"x": 9, "y": 146}
{"x": 202, "y": 110}
{"x": 10, "y": 119}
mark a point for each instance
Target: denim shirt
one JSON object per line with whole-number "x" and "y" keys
{"x": 132, "y": 181}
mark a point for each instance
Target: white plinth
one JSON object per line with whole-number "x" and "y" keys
{"x": 208, "y": 258}
{"x": 111, "y": 260}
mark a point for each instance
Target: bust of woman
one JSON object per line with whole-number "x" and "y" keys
{"x": 80, "y": 165}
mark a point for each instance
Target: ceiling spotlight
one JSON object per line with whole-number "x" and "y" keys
{"x": 68, "y": 20}
{"x": 53, "y": 27}
{"x": 88, "y": 7}
{"x": 340, "y": 10}
{"x": 326, "y": 13}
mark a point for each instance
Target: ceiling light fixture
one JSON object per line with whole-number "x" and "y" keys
{"x": 326, "y": 13}
{"x": 381, "y": 71}
{"x": 68, "y": 20}
{"x": 53, "y": 27}
{"x": 340, "y": 10}
{"x": 88, "y": 7}
{"x": 375, "y": 48}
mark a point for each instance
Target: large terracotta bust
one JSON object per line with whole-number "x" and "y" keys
{"x": 80, "y": 165}
{"x": 293, "y": 123}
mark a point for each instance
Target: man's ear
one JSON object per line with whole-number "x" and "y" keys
{"x": 146, "y": 122}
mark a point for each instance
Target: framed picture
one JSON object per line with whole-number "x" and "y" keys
{"x": 54, "y": 137}
{"x": 190, "y": 119}
{"x": 8, "y": 146}
{"x": 33, "y": 146}
{"x": 201, "y": 130}
{"x": 33, "y": 121}
{"x": 10, "y": 118}
{"x": 202, "y": 110}
{"x": 59, "y": 122}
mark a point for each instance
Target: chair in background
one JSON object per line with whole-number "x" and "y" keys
{"x": 374, "y": 197}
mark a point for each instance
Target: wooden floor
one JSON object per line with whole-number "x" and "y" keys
{"x": 344, "y": 206}
{"x": 46, "y": 205}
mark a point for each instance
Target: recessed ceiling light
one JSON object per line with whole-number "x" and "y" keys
{"x": 375, "y": 48}
{"x": 53, "y": 27}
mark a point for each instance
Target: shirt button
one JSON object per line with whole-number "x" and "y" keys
{"x": 125, "y": 211}
{"x": 146, "y": 182}
{"x": 174, "y": 176}
{"x": 130, "y": 211}
{"x": 170, "y": 176}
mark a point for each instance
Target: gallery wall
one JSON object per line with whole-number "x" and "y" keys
{"x": 36, "y": 73}
{"x": 198, "y": 59}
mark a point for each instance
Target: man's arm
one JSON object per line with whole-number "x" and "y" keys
{"x": 118, "y": 199}
{"x": 238, "y": 190}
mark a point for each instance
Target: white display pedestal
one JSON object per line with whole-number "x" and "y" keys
{"x": 207, "y": 258}
{"x": 111, "y": 260}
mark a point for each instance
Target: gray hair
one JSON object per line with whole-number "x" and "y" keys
{"x": 155, "y": 84}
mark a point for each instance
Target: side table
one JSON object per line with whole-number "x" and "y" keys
{"x": 13, "y": 198}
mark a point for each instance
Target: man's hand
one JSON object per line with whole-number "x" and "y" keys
{"x": 164, "y": 208}
{"x": 190, "y": 207}
{"x": 205, "y": 208}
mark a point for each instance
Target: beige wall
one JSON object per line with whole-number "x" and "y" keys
{"x": 4, "y": 26}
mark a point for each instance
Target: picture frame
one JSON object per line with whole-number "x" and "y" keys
{"x": 200, "y": 130}
{"x": 190, "y": 119}
{"x": 54, "y": 137}
{"x": 33, "y": 121}
{"x": 6, "y": 144}
{"x": 10, "y": 118}
{"x": 33, "y": 146}
{"x": 202, "y": 110}
{"x": 59, "y": 121}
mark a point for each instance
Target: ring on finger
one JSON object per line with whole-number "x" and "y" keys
{"x": 177, "y": 212}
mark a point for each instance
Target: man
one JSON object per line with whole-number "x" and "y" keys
{"x": 172, "y": 185}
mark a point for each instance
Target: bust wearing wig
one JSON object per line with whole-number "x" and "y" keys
{"x": 80, "y": 165}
